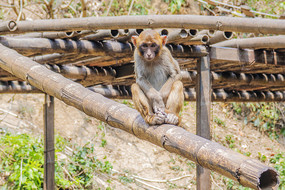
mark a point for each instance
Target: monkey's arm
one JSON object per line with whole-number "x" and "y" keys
{"x": 151, "y": 93}
{"x": 175, "y": 75}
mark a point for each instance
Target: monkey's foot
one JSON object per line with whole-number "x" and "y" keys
{"x": 171, "y": 119}
{"x": 156, "y": 119}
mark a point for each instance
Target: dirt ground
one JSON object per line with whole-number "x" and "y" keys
{"x": 151, "y": 166}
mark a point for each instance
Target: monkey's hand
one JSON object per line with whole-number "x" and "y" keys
{"x": 156, "y": 99}
{"x": 171, "y": 119}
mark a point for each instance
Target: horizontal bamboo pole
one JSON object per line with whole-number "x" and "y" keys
{"x": 218, "y": 95}
{"x": 17, "y": 87}
{"x": 220, "y": 36}
{"x": 256, "y": 25}
{"x": 8, "y": 26}
{"x": 29, "y": 46}
{"x": 272, "y": 42}
{"x": 49, "y": 35}
{"x": 249, "y": 172}
{"x": 102, "y": 35}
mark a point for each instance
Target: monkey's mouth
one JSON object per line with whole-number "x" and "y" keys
{"x": 149, "y": 59}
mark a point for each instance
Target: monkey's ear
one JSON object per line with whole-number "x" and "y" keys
{"x": 134, "y": 40}
{"x": 164, "y": 40}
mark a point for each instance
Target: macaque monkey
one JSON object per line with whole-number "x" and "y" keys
{"x": 158, "y": 91}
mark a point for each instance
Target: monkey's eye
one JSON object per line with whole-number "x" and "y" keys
{"x": 144, "y": 45}
{"x": 153, "y": 45}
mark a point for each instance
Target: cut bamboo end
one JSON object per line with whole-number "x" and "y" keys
{"x": 192, "y": 32}
{"x": 12, "y": 25}
{"x": 268, "y": 178}
{"x": 253, "y": 174}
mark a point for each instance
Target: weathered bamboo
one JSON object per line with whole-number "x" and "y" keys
{"x": 17, "y": 87}
{"x": 199, "y": 39}
{"x": 7, "y": 26}
{"x": 247, "y": 171}
{"x": 46, "y": 46}
{"x": 220, "y": 36}
{"x": 102, "y": 35}
{"x": 218, "y": 95}
{"x": 128, "y": 37}
{"x": 272, "y": 42}
{"x": 256, "y": 25}
{"x": 49, "y": 35}
{"x": 177, "y": 35}
{"x": 191, "y": 33}
{"x": 209, "y": 33}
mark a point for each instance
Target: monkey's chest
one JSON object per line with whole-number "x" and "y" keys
{"x": 157, "y": 78}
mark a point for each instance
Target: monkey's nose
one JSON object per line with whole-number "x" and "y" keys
{"x": 148, "y": 55}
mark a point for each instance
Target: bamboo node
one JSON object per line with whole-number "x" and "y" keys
{"x": 219, "y": 25}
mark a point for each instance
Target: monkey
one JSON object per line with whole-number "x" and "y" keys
{"x": 158, "y": 91}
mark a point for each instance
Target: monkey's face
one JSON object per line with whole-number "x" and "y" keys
{"x": 149, "y": 50}
{"x": 149, "y": 44}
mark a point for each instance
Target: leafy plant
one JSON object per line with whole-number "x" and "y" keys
{"x": 22, "y": 158}
{"x": 267, "y": 117}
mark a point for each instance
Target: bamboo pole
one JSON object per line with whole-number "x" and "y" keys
{"x": 272, "y": 42}
{"x": 249, "y": 172}
{"x": 49, "y": 35}
{"x": 177, "y": 35}
{"x": 8, "y": 26}
{"x": 102, "y": 35}
{"x": 254, "y": 25}
{"x": 220, "y": 36}
{"x": 31, "y": 46}
{"x": 199, "y": 39}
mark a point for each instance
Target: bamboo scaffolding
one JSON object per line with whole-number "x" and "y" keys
{"x": 30, "y": 46}
{"x": 256, "y": 25}
{"x": 272, "y": 42}
{"x": 249, "y": 172}
{"x": 218, "y": 95}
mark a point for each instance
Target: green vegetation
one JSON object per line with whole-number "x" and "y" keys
{"x": 22, "y": 158}
{"x": 267, "y": 117}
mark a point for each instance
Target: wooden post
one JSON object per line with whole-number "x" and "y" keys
{"x": 203, "y": 102}
{"x": 49, "y": 169}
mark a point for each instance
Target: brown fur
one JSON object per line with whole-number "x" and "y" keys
{"x": 158, "y": 91}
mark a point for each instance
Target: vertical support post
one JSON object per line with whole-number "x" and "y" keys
{"x": 203, "y": 104}
{"x": 49, "y": 168}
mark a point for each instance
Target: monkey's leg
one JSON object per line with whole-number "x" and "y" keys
{"x": 142, "y": 104}
{"x": 174, "y": 103}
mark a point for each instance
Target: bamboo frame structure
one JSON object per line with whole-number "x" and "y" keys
{"x": 256, "y": 25}
{"x": 247, "y": 171}
{"x": 271, "y": 42}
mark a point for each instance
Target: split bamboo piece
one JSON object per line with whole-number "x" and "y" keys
{"x": 272, "y": 42}
{"x": 249, "y": 172}
{"x": 254, "y": 25}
